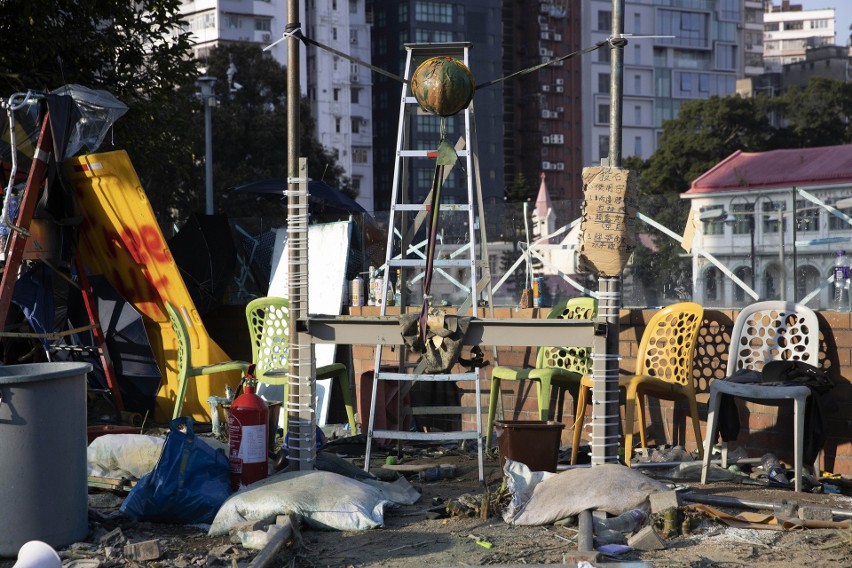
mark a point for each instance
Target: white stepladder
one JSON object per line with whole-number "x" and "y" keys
{"x": 462, "y": 275}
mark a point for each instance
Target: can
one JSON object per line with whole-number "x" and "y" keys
{"x": 356, "y": 291}
{"x": 538, "y": 285}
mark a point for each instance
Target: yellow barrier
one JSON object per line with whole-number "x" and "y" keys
{"x": 121, "y": 239}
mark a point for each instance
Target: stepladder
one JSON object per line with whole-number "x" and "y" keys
{"x": 436, "y": 274}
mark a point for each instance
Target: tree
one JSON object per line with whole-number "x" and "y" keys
{"x": 817, "y": 115}
{"x": 250, "y": 127}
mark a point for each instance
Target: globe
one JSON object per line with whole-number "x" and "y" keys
{"x": 442, "y": 85}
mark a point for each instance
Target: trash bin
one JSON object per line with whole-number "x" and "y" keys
{"x": 535, "y": 443}
{"x": 43, "y": 473}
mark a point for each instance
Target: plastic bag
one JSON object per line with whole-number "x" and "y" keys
{"x": 188, "y": 485}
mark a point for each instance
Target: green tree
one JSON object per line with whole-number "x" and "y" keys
{"x": 250, "y": 127}
{"x": 137, "y": 51}
{"x": 817, "y": 115}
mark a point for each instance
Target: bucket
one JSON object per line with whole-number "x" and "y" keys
{"x": 534, "y": 443}
{"x": 43, "y": 485}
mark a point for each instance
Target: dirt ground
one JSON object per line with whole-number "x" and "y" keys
{"x": 426, "y": 534}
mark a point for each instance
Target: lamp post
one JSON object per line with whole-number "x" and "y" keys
{"x": 208, "y": 98}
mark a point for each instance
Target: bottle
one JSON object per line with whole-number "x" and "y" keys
{"x": 436, "y": 473}
{"x": 775, "y": 472}
{"x": 397, "y": 294}
{"x": 628, "y": 522}
{"x": 841, "y": 281}
{"x": 371, "y": 287}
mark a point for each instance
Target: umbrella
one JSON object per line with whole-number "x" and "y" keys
{"x": 127, "y": 341}
{"x": 206, "y": 256}
{"x": 322, "y": 198}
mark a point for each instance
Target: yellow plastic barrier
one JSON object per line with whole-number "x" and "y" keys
{"x": 121, "y": 239}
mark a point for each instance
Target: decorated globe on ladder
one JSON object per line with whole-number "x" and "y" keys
{"x": 442, "y": 85}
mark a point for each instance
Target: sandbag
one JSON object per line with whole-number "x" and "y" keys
{"x": 543, "y": 498}
{"x": 322, "y": 499}
{"x": 118, "y": 456}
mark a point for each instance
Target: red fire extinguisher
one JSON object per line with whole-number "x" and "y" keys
{"x": 247, "y": 435}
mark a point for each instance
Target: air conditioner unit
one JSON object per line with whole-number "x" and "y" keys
{"x": 557, "y": 37}
{"x": 542, "y": 51}
{"x": 354, "y": 78}
{"x": 545, "y": 60}
{"x": 353, "y": 40}
{"x": 545, "y": 88}
{"x": 545, "y": 113}
{"x": 560, "y": 81}
{"x": 560, "y": 109}
{"x": 545, "y": 139}
{"x": 545, "y": 35}
{"x": 546, "y": 166}
{"x": 560, "y": 166}
{"x": 266, "y": 38}
{"x": 560, "y": 89}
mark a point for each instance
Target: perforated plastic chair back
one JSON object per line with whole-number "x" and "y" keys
{"x": 184, "y": 353}
{"x": 667, "y": 347}
{"x": 575, "y": 359}
{"x": 773, "y": 331}
{"x": 268, "y": 321}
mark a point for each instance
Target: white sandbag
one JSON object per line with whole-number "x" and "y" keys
{"x": 119, "y": 456}
{"x": 322, "y": 499}
{"x": 544, "y": 499}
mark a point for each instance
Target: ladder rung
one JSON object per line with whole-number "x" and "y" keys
{"x": 426, "y": 436}
{"x": 423, "y": 207}
{"x": 426, "y": 377}
{"x": 431, "y": 410}
{"x": 426, "y": 153}
{"x": 421, "y": 263}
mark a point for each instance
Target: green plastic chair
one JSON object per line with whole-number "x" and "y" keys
{"x": 186, "y": 370}
{"x": 562, "y": 367}
{"x": 269, "y": 328}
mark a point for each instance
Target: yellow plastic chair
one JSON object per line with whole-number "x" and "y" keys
{"x": 764, "y": 332}
{"x": 663, "y": 370}
{"x": 269, "y": 321}
{"x": 184, "y": 359}
{"x": 562, "y": 367}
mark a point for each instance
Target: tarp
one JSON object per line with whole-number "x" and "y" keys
{"x": 121, "y": 239}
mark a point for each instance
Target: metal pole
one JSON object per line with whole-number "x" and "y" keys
{"x": 751, "y": 227}
{"x": 207, "y": 86}
{"x": 782, "y": 271}
{"x": 795, "y": 260}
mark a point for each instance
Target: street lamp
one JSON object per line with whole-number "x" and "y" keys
{"x": 207, "y": 86}
{"x": 750, "y": 212}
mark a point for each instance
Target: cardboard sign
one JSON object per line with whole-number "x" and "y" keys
{"x": 608, "y": 226}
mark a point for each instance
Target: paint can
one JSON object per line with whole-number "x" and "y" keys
{"x": 356, "y": 291}
{"x": 538, "y": 285}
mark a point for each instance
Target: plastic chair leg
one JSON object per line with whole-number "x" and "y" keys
{"x": 579, "y": 420}
{"x": 493, "y": 400}
{"x": 629, "y": 415}
{"x": 181, "y": 395}
{"x": 710, "y": 436}
{"x": 343, "y": 378}
{"x": 696, "y": 426}
{"x": 798, "y": 440}
{"x": 543, "y": 399}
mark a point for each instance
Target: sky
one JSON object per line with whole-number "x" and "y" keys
{"x": 842, "y": 14}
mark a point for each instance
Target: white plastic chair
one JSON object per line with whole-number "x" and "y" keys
{"x": 763, "y": 332}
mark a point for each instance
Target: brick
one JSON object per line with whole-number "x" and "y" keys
{"x": 143, "y": 551}
{"x": 815, "y": 513}
{"x": 663, "y": 501}
{"x": 646, "y": 539}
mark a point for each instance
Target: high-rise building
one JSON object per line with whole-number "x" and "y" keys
{"x": 543, "y": 108}
{"x": 339, "y": 90}
{"x": 677, "y": 50}
{"x": 433, "y": 22}
{"x": 790, "y": 31}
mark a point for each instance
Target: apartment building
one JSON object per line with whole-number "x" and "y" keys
{"x": 789, "y": 32}
{"x": 339, "y": 91}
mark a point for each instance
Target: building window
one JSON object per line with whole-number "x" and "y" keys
{"x": 334, "y": 34}
{"x": 353, "y": 37}
{"x": 835, "y": 223}
{"x": 604, "y": 21}
{"x": 689, "y": 29}
{"x": 637, "y": 116}
{"x": 360, "y": 154}
{"x": 726, "y": 57}
{"x": 603, "y": 146}
{"x": 433, "y": 12}
{"x": 637, "y": 146}
{"x": 711, "y": 284}
{"x": 744, "y": 274}
{"x": 233, "y": 21}
{"x": 355, "y": 96}
{"x": 603, "y": 83}
{"x": 744, "y": 218}
{"x": 604, "y": 54}
{"x": 807, "y": 216}
{"x": 356, "y": 124}
{"x": 335, "y": 95}
{"x": 637, "y": 84}
{"x": 263, "y": 24}
{"x": 603, "y": 113}
{"x": 337, "y": 125}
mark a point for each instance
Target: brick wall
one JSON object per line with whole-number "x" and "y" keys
{"x": 763, "y": 428}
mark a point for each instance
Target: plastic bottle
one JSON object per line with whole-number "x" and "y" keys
{"x": 397, "y": 294}
{"x": 841, "y": 281}
{"x": 628, "y": 522}
{"x": 436, "y": 473}
{"x": 775, "y": 472}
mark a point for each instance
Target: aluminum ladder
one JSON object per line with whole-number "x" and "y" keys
{"x": 462, "y": 268}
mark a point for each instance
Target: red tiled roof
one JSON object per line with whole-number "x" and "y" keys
{"x": 777, "y": 168}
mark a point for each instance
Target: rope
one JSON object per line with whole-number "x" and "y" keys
{"x": 295, "y": 30}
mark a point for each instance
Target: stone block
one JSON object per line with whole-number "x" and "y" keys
{"x": 662, "y": 501}
{"x": 815, "y": 513}
{"x": 143, "y": 551}
{"x": 646, "y": 539}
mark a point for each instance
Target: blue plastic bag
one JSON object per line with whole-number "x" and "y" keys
{"x": 188, "y": 485}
